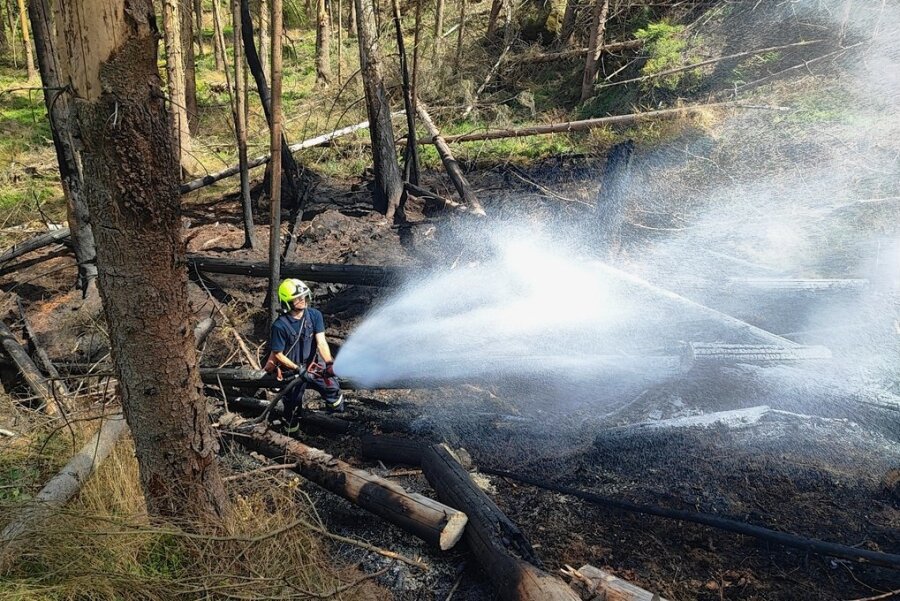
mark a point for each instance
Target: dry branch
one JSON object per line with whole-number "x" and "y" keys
{"x": 583, "y": 125}
{"x": 425, "y": 518}
{"x": 63, "y": 486}
{"x": 450, "y": 164}
{"x": 577, "y": 53}
{"x": 34, "y": 243}
{"x": 33, "y": 376}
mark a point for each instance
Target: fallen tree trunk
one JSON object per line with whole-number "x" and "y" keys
{"x": 319, "y": 140}
{"x": 34, "y": 243}
{"x": 360, "y": 275}
{"x": 603, "y": 585}
{"x": 573, "y": 126}
{"x": 433, "y": 522}
{"x": 257, "y": 406}
{"x": 63, "y": 486}
{"x": 450, "y": 164}
{"x": 576, "y": 53}
{"x": 501, "y": 549}
{"x": 392, "y": 449}
{"x": 33, "y": 376}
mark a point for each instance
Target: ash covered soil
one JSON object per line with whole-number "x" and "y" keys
{"x": 817, "y": 465}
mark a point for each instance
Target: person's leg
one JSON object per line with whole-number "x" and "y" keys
{"x": 292, "y": 402}
{"x": 330, "y": 391}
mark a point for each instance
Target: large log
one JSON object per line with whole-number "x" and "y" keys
{"x": 603, "y": 585}
{"x": 360, "y": 275}
{"x": 450, "y": 164}
{"x": 257, "y": 406}
{"x": 63, "y": 486}
{"x": 425, "y": 518}
{"x": 500, "y": 548}
{"x": 33, "y": 376}
{"x": 393, "y": 449}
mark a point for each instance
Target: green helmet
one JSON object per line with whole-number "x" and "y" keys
{"x": 291, "y": 289}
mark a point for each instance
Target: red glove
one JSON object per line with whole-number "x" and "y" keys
{"x": 329, "y": 369}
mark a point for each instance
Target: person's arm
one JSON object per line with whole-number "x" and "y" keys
{"x": 285, "y": 362}
{"x": 323, "y": 348}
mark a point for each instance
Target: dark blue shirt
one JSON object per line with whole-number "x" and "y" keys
{"x": 296, "y": 337}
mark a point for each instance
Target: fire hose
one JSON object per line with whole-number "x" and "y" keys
{"x": 811, "y": 545}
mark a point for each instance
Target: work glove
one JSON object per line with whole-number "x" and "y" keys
{"x": 329, "y": 369}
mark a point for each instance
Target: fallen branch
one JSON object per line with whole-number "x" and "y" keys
{"x": 450, "y": 164}
{"x": 261, "y": 470}
{"x": 62, "y": 487}
{"x": 320, "y": 140}
{"x": 34, "y": 243}
{"x": 33, "y": 376}
{"x": 705, "y": 63}
{"x": 583, "y": 125}
{"x": 577, "y": 53}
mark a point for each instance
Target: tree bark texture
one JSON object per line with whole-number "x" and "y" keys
{"x": 240, "y": 123}
{"x": 388, "y": 184}
{"x": 275, "y": 148}
{"x": 595, "y": 46}
{"x": 181, "y": 134}
{"x": 67, "y": 157}
{"x": 29, "y": 56}
{"x": 323, "y": 44}
{"x": 190, "y": 74}
{"x": 130, "y": 169}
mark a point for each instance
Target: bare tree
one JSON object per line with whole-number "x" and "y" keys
{"x": 190, "y": 75}
{"x": 388, "y": 185}
{"x": 265, "y": 45}
{"x": 323, "y": 44}
{"x": 275, "y": 181}
{"x": 57, "y": 102}
{"x": 181, "y": 135}
{"x": 29, "y": 56}
{"x": 198, "y": 28}
{"x": 595, "y": 47}
{"x": 108, "y": 48}
{"x": 240, "y": 122}
{"x": 411, "y": 155}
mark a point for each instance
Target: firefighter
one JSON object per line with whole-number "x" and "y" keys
{"x": 297, "y": 341}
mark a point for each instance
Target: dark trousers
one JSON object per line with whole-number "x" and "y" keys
{"x": 328, "y": 388}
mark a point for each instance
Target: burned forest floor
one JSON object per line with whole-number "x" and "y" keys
{"x": 807, "y": 456}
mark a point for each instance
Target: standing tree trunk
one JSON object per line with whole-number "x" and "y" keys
{"x": 595, "y": 47}
{"x": 388, "y": 185}
{"x": 351, "y": 22}
{"x": 240, "y": 122}
{"x": 198, "y": 27}
{"x": 275, "y": 180}
{"x": 323, "y": 44}
{"x": 438, "y": 26}
{"x": 57, "y": 102}
{"x": 131, "y": 184}
{"x": 29, "y": 56}
{"x": 181, "y": 134}
{"x": 218, "y": 48}
{"x": 190, "y": 75}
{"x": 295, "y": 182}
{"x": 496, "y": 7}
{"x": 265, "y": 46}
{"x": 568, "y": 24}
{"x": 411, "y": 154}
{"x": 461, "y": 32}
{"x": 4, "y": 44}
{"x": 11, "y": 21}
{"x": 340, "y": 42}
